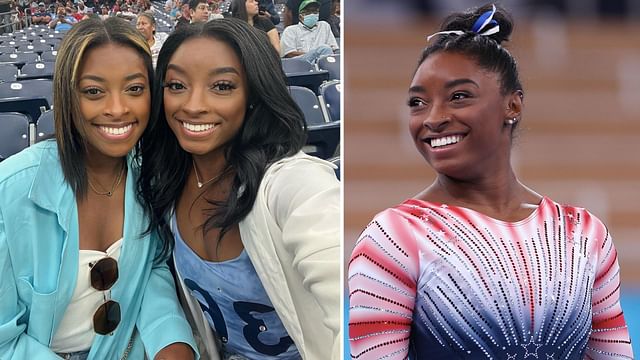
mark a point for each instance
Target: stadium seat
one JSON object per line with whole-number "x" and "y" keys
{"x": 8, "y": 72}
{"x": 14, "y": 43}
{"x": 49, "y": 56}
{"x": 53, "y": 42}
{"x": 26, "y": 97}
{"x": 323, "y": 140}
{"x": 7, "y": 49}
{"x": 35, "y": 47}
{"x": 39, "y": 70}
{"x": 330, "y": 98}
{"x": 331, "y": 63}
{"x": 309, "y": 104}
{"x": 45, "y": 125}
{"x": 293, "y": 65}
{"x": 14, "y": 133}
{"x": 18, "y": 58}
{"x": 302, "y": 73}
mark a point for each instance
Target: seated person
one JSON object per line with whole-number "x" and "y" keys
{"x": 104, "y": 12}
{"x": 290, "y": 13}
{"x": 41, "y": 16}
{"x": 268, "y": 9}
{"x": 63, "y": 21}
{"x": 215, "y": 12}
{"x": 310, "y": 39}
{"x": 183, "y": 17}
{"x": 199, "y": 11}
{"x": 126, "y": 13}
{"x": 334, "y": 19}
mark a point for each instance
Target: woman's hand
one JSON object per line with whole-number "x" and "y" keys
{"x": 175, "y": 351}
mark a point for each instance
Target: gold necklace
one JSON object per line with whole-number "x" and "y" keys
{"x": 113, "y": 187}
{"x": 200, "y": 183}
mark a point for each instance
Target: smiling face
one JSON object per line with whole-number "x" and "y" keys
{"x": 205, "y": 96}
{"x": 458, "y": 116}
{"x": 114, "y": 100}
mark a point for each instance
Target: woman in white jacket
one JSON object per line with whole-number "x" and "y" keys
{"x": 253, "y": 222}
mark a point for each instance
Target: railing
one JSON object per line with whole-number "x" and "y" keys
{"x": 7, "y": 20}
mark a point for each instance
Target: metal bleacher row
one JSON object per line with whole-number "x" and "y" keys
{"x": 27, "y": 59}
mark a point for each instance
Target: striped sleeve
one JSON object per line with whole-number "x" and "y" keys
{"x": 609, "y": 337}
{"x": 382, "y": 288}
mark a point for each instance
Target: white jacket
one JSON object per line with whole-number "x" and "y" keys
{"x": 292, "y": 236}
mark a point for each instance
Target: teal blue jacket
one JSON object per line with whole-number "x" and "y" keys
{"x": 39, "y": 265}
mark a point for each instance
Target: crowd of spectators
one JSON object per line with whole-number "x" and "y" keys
{"x": 62, "y": 15}
{"x": 309, "y": 28}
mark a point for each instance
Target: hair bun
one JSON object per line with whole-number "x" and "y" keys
{"x": 465, "y": 20}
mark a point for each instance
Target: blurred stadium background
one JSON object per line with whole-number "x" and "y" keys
{"x": 580, "y": 133}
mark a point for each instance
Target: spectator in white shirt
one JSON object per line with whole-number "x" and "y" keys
{"x": 310, "y": 39}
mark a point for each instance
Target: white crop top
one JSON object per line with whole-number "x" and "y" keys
{"x": 75, "y": 332}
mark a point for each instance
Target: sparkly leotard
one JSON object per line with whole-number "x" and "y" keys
{"x": 431, "y": 281}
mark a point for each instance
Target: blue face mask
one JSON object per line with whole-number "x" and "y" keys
{"x": 310, "y": 20}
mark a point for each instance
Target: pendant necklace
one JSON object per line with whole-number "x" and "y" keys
{"x": 200, "y": 183}
{"x": 113, "y": 187}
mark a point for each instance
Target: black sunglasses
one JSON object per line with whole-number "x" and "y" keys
{"x": 104, "y": 274}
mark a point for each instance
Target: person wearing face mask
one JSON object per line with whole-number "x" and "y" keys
{"x": 290, "y": 13}
{"x": 310, "y": 39}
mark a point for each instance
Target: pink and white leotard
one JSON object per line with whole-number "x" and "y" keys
{"x": 432, "y": 281}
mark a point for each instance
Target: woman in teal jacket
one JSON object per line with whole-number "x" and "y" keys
{"x": 65, "y": 200}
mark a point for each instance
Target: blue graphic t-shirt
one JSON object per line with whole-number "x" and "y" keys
{"x": 235, "y": 304}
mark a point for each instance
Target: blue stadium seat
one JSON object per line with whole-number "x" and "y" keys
{"x": 18, "y": 58}
{"x": 323, "y": 140}
{"x": 15, "y": 43}
{"x": 331, "y": 63}
{"x": 330, "y": 98}
{"x": 14, "y": 134}
{"x": 6, "y": 49}
{"x": 45, "y": 126}
{"x": 26, "y": 97}
{"x": 302, "y": 73}
{"x": 49, "y": 56}
{"x": 35, "y": 47}
{"x": 8, "y": 72}
{"x": 309, "y": 104}
{"x": 293, "y": 65}
{"x": 38, "y": 70}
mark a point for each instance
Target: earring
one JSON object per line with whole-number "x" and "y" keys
{"x": 511, "y": 121}
{"x": 250, "y": 106}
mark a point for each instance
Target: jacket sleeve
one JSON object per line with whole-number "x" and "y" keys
{"x": 307, "y": 209}
{"x": 14, "y": 342}
{"x": 161, "y": 321}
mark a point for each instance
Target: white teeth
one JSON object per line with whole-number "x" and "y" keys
{"x": 116, "y": 130}
{"x": 198, "y": 127}
{"x": 445, "y": 140}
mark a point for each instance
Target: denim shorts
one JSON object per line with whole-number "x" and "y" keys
{"x": 79, "y": 355}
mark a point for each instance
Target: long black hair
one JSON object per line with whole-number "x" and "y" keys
{"x": 486, "y": 50}
{"x": 238, "y": 9}
{"x": 273, "y": 128}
